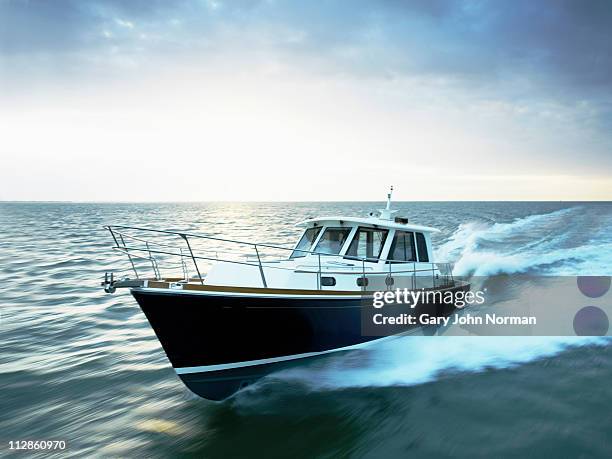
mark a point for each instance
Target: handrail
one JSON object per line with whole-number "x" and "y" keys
{"x": 253, "y": 244}
{"x": 304, "y": 271}
{"x": 160, "y": 244}
{"x": 193, "y": 258}
{"x": 201, "y": 236}
{"x": 152, "y": 247}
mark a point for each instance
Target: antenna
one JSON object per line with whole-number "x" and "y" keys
{"x": 386, "y": 213}
{"x": 389, "y": 198}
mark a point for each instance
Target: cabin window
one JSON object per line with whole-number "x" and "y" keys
{"x": 402, "y": 248}
{"x": 367, "y": 243}
{"x": 332, "y": 240}
{"x": 306, "y": 242}
{"x": 422, "y": 248}
{"x": 327, "y": 281}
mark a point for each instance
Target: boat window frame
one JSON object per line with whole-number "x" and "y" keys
{"x": 353, "y": 238}
{"x": 425, "y": 246}
{"x": 303, "y": 253}
{"x": 350, "y": 229}
{"x": 389, "y": 251}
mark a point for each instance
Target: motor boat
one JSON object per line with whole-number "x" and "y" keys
{"x": 237, "y": 311}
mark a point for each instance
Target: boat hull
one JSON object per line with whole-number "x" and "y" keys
{"x": 219, "y": 342}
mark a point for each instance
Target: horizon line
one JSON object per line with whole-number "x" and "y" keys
{"x": 25, "y": 201}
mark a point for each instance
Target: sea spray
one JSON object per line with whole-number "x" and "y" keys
{"x": 411, "y": 360}
{"x": 546, "y": 244}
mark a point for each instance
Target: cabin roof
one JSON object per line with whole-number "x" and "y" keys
{"x": 370, "y": 221}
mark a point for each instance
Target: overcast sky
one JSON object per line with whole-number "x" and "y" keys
{"x": 200, "y": 100}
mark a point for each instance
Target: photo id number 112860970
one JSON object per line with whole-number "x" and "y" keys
{"x": 37, "y": 445}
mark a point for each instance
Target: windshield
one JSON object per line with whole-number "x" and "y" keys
{"x": 305, "y": 243}
{"x": 332, "y": 240}
{"x": 402, "y": 248}
{"x": 367, "y": 243}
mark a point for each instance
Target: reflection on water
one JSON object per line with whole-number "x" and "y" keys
{"x": 83, "y": 366}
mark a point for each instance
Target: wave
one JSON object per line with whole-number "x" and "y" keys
{"x": 412, "y": 360}
{"x": 548, "y": 244}
{"x": 551, "y": 243}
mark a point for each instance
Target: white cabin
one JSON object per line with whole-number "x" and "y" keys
{"x": 344, "y": 253}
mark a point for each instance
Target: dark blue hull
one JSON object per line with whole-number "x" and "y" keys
{"x": 220, "y": 342}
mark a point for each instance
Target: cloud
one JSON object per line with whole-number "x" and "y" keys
{"x": 567, "y": 41}
{"x": 532, "y": 80}
{"x": 126, "y": 24}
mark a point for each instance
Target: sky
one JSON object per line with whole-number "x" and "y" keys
{"x": 202, "y": 100}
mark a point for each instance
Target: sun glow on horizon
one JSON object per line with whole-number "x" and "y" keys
{"x": 269, "y": 113}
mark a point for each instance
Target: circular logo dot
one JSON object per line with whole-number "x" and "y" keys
{"x": 594, "y": 286}
{"x": 591, "y": 321}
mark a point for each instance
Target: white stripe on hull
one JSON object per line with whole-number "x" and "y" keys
{"x": 250, "y": 363}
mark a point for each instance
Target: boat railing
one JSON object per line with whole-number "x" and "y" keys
{"x": 188, "y": 251}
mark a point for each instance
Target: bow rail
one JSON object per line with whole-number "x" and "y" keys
{"x": 182, "y": 250}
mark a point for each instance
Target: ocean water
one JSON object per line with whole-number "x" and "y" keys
{"x": 83, "y": 366}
